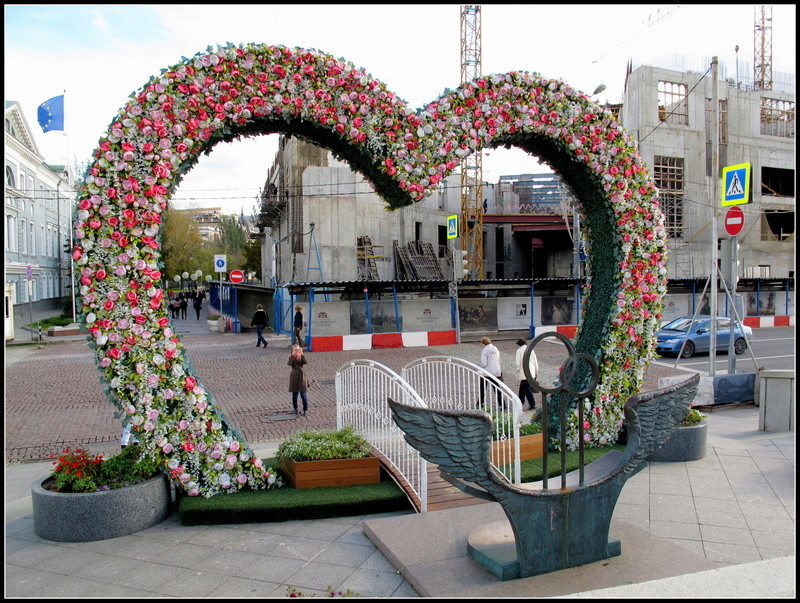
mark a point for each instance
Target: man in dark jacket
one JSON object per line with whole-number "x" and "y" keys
{"x": 298, "y": 325}
{"x": 259, "y": 322}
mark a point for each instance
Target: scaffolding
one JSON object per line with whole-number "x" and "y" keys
{"x": 366, "y": 256}
{"x": 472, "y": 165}
{"x": 416, "y": 261}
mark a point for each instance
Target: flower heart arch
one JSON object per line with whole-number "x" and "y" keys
{"x": 233, "y": 91}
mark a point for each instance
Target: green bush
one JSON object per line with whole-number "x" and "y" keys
{"x": 693, "y": 417}
{"x": 53, "y": 321}
{"x": 530, "y": 428}
{"x": 324, "y": 446}
{"x": 78, "y": 471}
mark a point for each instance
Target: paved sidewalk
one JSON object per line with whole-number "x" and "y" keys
{"x": 733, "y": 509}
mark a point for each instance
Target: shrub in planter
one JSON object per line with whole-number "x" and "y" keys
{"x": 687, "y": 443}
{"x": 530, "y": 438}
{"x": 78, "y": 471}
{"x": 312, "y": 459}
{"x": 324, "y": 446}
{"x": 89, "y": 498}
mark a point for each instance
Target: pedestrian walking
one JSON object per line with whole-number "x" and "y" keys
{"x": 298, "y": 383}
{"x": 184, "y": 305}
{"x": 298, "y": 326}
{"x": 198, "y": 305}
{"x": 490, "y": 361}
{"x": 525, "y": 390}
{"x": 259, "y": 321}
{"x": 175, "y": 307}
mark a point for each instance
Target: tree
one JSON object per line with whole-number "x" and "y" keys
{"x": 252, "y": 257}
{"x": 183, "y": 248}
{"x": 232, "y": 239}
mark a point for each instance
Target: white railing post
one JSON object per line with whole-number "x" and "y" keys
{"x": 449, "y": 382}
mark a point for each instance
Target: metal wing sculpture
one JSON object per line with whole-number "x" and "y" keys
{"x": 547, "y": 529}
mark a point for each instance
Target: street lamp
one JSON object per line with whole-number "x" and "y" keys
{"x": 599, "y": 89}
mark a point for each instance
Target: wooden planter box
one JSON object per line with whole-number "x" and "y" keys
{"x": 341, "y": 472}
{"x": 530, "y": 447}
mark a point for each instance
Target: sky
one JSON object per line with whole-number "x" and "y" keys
{"x": 97, "y": 55}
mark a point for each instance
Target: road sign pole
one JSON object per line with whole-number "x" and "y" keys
{"x": 715, "y": 176}
{"x": 732, "y": 299}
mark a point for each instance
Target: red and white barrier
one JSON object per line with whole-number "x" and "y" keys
{"x": 768, "y": 321}
{"x": 381, "y": 341}
{"x": 376, "y": 341}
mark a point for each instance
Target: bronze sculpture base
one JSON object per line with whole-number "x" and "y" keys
{"x": 493, "y": 547}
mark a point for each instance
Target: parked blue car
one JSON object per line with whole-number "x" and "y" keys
{"x": 672, "y": 335}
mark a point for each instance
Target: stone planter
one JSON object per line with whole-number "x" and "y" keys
{"x": 530, "y": 447}
{"x": 84, "y": 517}
{"x": 685, "y": 444}
{"x": 212, "y": 324}
{"x": 340, "y": 472}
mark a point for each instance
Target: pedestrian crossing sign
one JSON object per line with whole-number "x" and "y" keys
{"x": 452, "y": 227}
{"x": 736, "y": 184}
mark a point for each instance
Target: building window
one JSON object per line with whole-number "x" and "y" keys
{"x": 723, "y": 120}
{"x": 777, "y": 117}
{"x": 777, "y": 225}
{"x": 32, "y": 238}
{"x": 673, "y": 107}
{"x": 668, "y": 176}
{"x": 777, "y": 182}
{"x": 23, "y": 236}
{"x": 11, "y": 232}
{"x": 11, "y": 179}
{"x": 723, "y": 135}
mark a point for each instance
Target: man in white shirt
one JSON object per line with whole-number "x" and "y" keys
{"x": 490, "y": 361}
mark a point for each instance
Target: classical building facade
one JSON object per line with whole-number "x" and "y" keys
{"x": 38, "y": 212}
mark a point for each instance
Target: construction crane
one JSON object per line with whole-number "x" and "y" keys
{"x": 472, "y": 165}
{"x": 762, "y": 49}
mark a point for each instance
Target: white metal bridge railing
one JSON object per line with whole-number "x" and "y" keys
{"x": 454, "y": 383}
{"x": 362, "y": 390}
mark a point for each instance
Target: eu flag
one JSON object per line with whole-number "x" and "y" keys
{"x": 51, "y": 114}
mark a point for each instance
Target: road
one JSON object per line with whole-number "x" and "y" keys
{"x": 772, "y": 348}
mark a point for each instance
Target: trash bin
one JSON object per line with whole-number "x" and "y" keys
{"x": 236, "y": 326}
{"x": 776, "y": 391}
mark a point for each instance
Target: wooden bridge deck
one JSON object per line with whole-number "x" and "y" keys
{"x": 441, "y": 494}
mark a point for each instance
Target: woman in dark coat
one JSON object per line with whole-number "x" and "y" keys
{"x": 298, "y": 384}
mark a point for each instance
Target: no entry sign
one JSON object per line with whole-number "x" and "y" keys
{"x": 236, "y": 276}
{"x": 734, "y": 221}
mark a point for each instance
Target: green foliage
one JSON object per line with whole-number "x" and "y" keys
{"x": 183, "y": 248}
{"x": 252, "y": 257}
{"x": 78, "y": 471}
{"x": 232, "y": 237}
{"x": 693, "y": 417}
{"x": 502, "y": 424}
{"x": 53, "y": 321}
{"x": 324, "y": 445}
{"x": 530, "y": 428}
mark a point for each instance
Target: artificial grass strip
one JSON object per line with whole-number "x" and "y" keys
{"x": 288, "y": 503}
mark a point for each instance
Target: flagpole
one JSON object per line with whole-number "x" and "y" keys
{"x": 71, "y": 213}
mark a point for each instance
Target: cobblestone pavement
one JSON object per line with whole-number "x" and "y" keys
{"x": 54, "y": 397}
